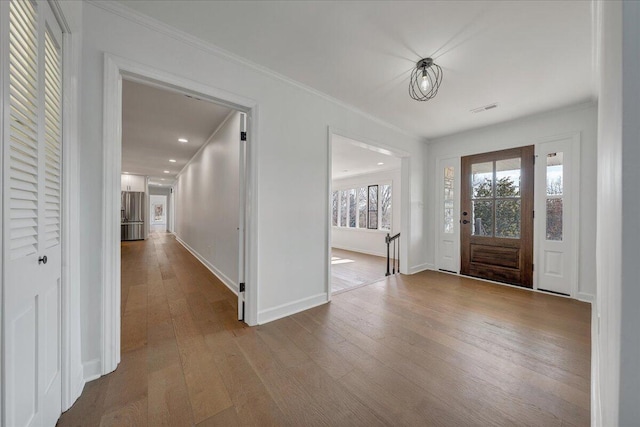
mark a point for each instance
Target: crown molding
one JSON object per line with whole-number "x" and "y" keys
{"x": 196, "y": 42}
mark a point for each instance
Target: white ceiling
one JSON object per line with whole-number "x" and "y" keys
{"x": 527, "y": 56}
{"x": 152, "y": 121}
{"x": 350, "y": 157}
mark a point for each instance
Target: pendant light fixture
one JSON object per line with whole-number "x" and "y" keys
{"x": 425, "y": 80}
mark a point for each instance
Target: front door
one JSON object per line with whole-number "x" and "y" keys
{"x": 496, "y": 218}
{"x": 32, "y": 174}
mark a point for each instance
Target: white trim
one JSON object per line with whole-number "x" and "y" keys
{"x": 111, "y": 170}
{"x": 91, "y": 370}
{"x": 421, "y": 267}
{"x": 584, "y": 297}
{"x": 71, "y": 364}
{"x": 329, "y": 222}
{"x": 290, "y": 308}
{"x": 4, "y": 126}
{"x": 233, "y": 287}
{"x": 114, "y": 69}
{"x": 197, "y": 43}
{"x": 596, "y": 399}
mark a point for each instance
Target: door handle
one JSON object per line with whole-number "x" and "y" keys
{"x": 42, "y": 260}
{"x": 464, "y": 221}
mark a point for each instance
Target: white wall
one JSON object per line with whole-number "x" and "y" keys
{"x": 527, "y": 131}
{"x": 157, "y": 200}
{"x": 291, "y": 156}
{"x": 616, "y": 342}
{"x": 164, "y": 191}
{"x": 360, "y": 239}
{"x": 207, "y": 202}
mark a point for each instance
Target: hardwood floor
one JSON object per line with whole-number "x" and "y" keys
{"x": 352, "y": 269}
{"x": 426, "y": 349}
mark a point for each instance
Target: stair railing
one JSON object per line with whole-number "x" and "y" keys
{"x": 396, "y": 254}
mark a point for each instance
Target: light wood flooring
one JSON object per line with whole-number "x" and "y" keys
{"x": 421, "y": 350}
{"x": 352, "y": 269}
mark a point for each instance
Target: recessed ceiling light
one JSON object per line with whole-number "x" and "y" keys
{"x": 167, "y": 172}
{"x": 172, "y": 160}
{"x": 380, "y": 163}
{"x": 183, "y": 140}
{"x": 161, "y": 179}
{"x": 125, "y": 172}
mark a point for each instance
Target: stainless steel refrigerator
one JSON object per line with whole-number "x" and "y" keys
{"x": 132, "y": 216}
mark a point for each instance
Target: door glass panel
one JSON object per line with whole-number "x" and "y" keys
{"x": 482, "y": 218}
{"x": 554, "y": 219}
{"x": 448, "y": 199}
{"x": 482, "y": 180}
{"x": 508, "y": 178}
{"x": 508, "y": 218}
{"x": 554, "y": 174}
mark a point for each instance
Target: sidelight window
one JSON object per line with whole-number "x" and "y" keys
{"x": 554, "y": 196}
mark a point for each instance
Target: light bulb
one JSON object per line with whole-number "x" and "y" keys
{"x": 424, "y": 83}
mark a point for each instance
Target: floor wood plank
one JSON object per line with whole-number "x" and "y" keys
{"x": 426, "y": 349}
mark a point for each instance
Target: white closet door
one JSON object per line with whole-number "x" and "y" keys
{"x": 32, "y": 165}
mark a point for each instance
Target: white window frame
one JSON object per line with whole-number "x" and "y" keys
{"x": 356, "y": 187}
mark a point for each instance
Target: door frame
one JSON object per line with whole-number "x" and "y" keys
{"x": 115, "y": 68}
{"x": 405, "y": 193}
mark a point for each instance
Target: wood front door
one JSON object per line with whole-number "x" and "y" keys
{"x": 496, "y": 217}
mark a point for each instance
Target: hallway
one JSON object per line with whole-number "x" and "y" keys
{"x": 426, "y": 349}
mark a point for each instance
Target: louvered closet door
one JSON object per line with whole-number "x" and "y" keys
{"x": 32, "y": 165}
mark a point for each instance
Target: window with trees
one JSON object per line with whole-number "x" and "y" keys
{"x": 496, "y": 198}
{"x": 368, "y": 207}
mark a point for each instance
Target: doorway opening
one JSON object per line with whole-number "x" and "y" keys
{"x": 365, "y": 204}
{"x": 229, "y": 255}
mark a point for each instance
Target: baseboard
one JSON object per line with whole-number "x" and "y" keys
{"x": 585, "y": 297}
{"x": 91, "y": 370}
{"x": 360, "y": 251}
{"x": 421, "y": 267}
{"x": 290, "y": 308}
{"x": 233, "y": 287}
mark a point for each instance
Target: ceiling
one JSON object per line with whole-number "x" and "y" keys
{"x": 152, "y": 122}
{"x": 526, "y": 56}
{"x": 350, "y": 158}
